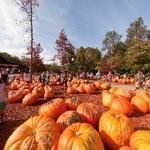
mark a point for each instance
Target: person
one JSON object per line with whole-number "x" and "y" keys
{"x": 3, "y": 98}
{"x": 109, "y": 77}
{"x": 148, "y": 84}
{"x": 98, "y": 75}
{"x": 47, "y": 76}
{"x": 4, "y": 77}
{"x": 139, "y": 77}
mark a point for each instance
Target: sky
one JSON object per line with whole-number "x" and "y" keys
{"x": 84, "y": 21}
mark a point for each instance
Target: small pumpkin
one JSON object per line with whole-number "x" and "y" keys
{"x": 115, "y": 129}
{"x": 70, "y": 90}
{"x": 37, "y": 133}
{"x": 48, "y": 92}
{"x": 90, "y": 111}
{"x": 68, "y": 118}
{"x": 53, "y": 109}
{"x": 80, "y": 136}
{"x": 30, "y": 98}
{"x": 89, "y": 88}
{"x": 140, "y": 140}
{"x": 14, "y": 96}
{"x": 105, "y": 86}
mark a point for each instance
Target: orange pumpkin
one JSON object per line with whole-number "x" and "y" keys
{"x": 142, "y": 93}
{"x": 14, "y": 96}
{"x": 107, "y": 98}
{"x": 125, "y": 148}
{"x": 48, "y": 92}
{"x": 122, "y": 105}
{"x": 70, "y": 90}
{"x": 30, "y": 98}
{"x": 68, "y": 118}
{"x": 89, "y": 88}
{"x": 140, "y": 140}
{"x": 37, "y": 133}
{"x": 80, "y": 89}
{"x": 115, "y": 129}
{"x": 53, "y": 109}
{"x": 105, "y": 86}
{"x": 90, "y": 111}
{"x": 39, "y": 90}
{"x": 80, "y": 136}
{"x": 141, "y": 104}
{"x": 72, "y": 103}
{"x": 123, "y": 92}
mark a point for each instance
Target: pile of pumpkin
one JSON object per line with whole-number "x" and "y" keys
{"x": 28, "y": 93}
{"x": 123, "y": 80}
{"x": 86, "y": 86}
{"x": 72, "y": 124}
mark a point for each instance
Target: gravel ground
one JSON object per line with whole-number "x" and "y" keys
{"x": 16, "y": 114}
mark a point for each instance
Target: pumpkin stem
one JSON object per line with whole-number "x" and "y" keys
{"x": 118, "y": 116}
{"x": 78, "y": 133}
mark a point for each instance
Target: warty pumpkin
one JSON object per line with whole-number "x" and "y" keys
{"x": 68, "y": 118}
{"x": 37, "y": 133}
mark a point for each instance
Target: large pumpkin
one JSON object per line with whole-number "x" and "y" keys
{"x": 39, "y": 90}
{"x": 115, "y": 129}
{"x": 37, "y": 133}
{"x": 70, "y": 90}
{"x": 68, "y": 118}
{"x": 80, "y": 136}
{"x": 30, "y": 98}
{"x": 140, "y": 140}
{"x": 14, "y": 96}
{"x": 90, "y": 111}
{"x": 48, "y": 92}
{"x": 73, "y": 102}
{"x": 53, "y": 109}
{"x": 122, "y": 105}
{"x": 141, "y": 103}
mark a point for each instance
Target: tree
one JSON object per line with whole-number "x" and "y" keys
{"x": 28, "y": 7}
{"x": 87, "y": 59}
{"x": 65, "y": 50}
{"x": 138, "y": 56}
{"x": 36, "y": 58}
{"x": 11, "y": 59}
{"x": 137, "y": 31}
{"x": 111, "y": 39}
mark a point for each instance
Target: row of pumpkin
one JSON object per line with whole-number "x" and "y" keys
{"x": 85, "y": 128}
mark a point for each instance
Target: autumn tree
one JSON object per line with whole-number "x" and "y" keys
{"x": 65, "y": 50}
{"x": 28, "y": 6}
{"x": 36, "y": 58}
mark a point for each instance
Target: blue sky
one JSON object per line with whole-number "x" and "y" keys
{"x": 84, "y": 21}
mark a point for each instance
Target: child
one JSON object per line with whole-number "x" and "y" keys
{"x": 3, "y": 98}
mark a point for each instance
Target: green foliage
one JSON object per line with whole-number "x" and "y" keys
{"x": 138, "y": 56}
{"x": 53, "y": 68}
{"x": 87, "y": 59}
{"x": 112, "y": 38}
{"x": 11, "y": 59}
{"x": 137, "y": 31}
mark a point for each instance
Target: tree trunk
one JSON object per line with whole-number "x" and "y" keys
{"x": 31, "y": 25}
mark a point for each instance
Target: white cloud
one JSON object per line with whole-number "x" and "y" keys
{"x": 12, "y": 35}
